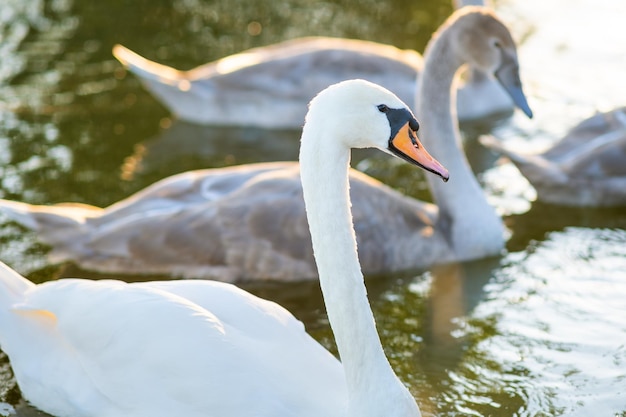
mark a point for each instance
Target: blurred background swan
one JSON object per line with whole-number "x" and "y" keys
{"x": 269, "y": 86}
{"x": 587, "y": 167}
{"x": 248, "y": 222}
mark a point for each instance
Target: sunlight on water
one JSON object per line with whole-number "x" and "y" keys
{"x": 559, "y": 309}
{"x": 542, "y": 334}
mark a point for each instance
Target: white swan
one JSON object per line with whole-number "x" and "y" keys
{"x": 269, "y": 86}
{"x": 201, "y": 348}
{"x": 586, "y": 168}
{"x": 248, "y": 222}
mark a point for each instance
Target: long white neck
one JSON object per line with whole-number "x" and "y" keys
{"x": 475, "y": 229}
{"x": 371, "y": 382}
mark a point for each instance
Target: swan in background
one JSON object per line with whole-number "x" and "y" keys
{"x": 586, "y": 168}
{"x": 470, "y": 225}
{"x": 269, "y": 86}
{"x": 199, "y": 348}
{"x": 248, "y": 222}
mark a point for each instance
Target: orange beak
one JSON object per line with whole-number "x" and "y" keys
{"x": 407, "y": 146}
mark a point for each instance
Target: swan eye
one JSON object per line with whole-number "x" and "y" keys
{"x": 383, "y": 108}
{"x": 497, "y": 44}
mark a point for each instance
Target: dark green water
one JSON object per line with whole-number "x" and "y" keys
{"x": 539, "y": 332}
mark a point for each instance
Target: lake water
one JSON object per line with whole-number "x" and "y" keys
{"x": 538, "y": 332}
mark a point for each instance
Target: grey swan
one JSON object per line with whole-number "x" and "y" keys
{"x": 586, "y": 168}
{"x": 269, "y": 86}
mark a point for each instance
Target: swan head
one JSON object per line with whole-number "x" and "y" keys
{"x": 484, "y": 42}
{"x": 361, "y": 114}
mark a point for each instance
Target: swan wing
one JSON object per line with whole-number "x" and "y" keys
{"x": 249, "y": 224}
{"x": 602, "y": 157}
{"x": 278, "y": 70}
{"x": 111, "y": 348}
{"x": 283, "y": 64}
{"x": 234, "y": 223}
{"x": 231, "y": 224}
{"x": 270, "y": 86}
{"x": 586, "y": 131}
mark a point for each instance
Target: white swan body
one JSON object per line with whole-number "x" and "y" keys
{"x": 248, "y": 222}
{"x": 269, "y": 86}
{"x": 586, "y": 168}
{"x": 202, "y": 348}
{"x": 107, "y": 348}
